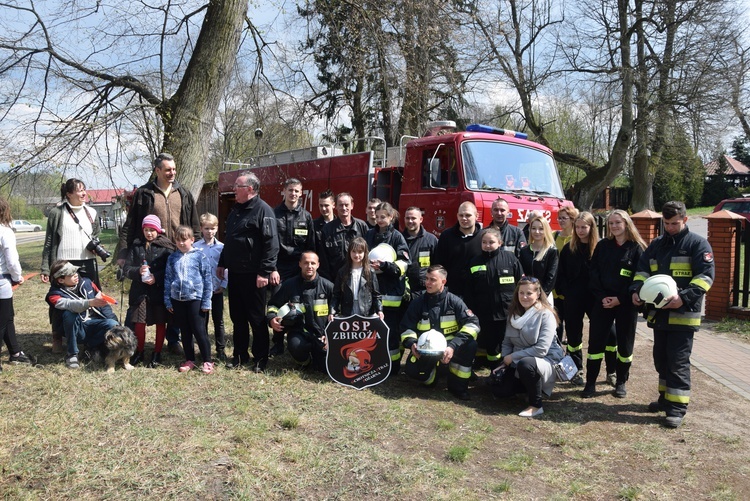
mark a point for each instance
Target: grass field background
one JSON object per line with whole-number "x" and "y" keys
{"x": 290, "y": 434}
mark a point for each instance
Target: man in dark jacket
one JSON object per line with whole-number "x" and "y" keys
{"x": 296, "y": 235}
{"x": 163, "y": 197}
{"x": 336, "y": 236}
{"x": 311, "y": 295}
{"x": 458, "y": 245}
{"x": 688, "y": 259}
{"x": 513, "y": 239}
{"x": 442, "y": 311}
{"x": 422, "y": 245}
{"x": 173, "y": 205}
{"x": 251, "y": 247}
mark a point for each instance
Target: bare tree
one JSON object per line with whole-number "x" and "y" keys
{"x": 94, "y": 75}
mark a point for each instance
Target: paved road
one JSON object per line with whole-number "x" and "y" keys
{"x": 24, "y": 238}
{"x": 699, "y": 225}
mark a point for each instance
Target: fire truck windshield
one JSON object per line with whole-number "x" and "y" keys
{"x": 498, "y": 166}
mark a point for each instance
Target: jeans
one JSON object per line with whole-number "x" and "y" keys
{"x": 91, "y": 332}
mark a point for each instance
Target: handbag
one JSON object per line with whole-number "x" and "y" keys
{"x": 566, "y": 369}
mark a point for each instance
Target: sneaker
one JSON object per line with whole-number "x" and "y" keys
{"x": 577, "y": 380}
{"x": 208, "y": 368}
{"x": 23, "y": 358}
{"x": 276, "y": 350}
{"x": 71, "y": 362}
{"x": 187, "y": 366}
{"x": 612, "y": 379}
{"x": 620, "y": 391}
{"x": 673, "y": 421}
{"x": 589, "y": 390}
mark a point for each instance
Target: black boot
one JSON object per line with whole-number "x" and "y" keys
{"x": 137, "y": 358}
{"x": 221, "y": 356}
{"x": 155, "y": 360}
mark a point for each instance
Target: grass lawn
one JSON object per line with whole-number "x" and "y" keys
{"x": 288, "y": 434}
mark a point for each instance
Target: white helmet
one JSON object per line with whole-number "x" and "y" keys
{"x": 384, "y": 253}
{"x": 432, "y": 343}
{"x": 290, "y": 314}
{"x": 657, "y": 288}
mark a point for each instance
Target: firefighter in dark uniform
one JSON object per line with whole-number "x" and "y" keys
{"x": 611, "y": 273}
{"x": 513, "y": 238}
{"x": 458, "y": 245}
{"x": 337, "y": 234}
{"x": 440, "y": 310}
{"x": 391, "y": 278}
{"x": 490, "y": 290}
{"x": 305, "y": 330}
{"x": 422, "y": 246}
{"x": 325, "y": 206}
{"x": 296, "y": 234}
{"x": 688, "y": 259}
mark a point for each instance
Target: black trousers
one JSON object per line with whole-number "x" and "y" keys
{"x": 8, "y": 327}
{"x": 529, "y": 381}
{"x": 672, "y": 349}
{"x": 426, "y": 370}
{"x": 575, "y": 308}
{"x": 623, "y": 318}
{"x": 217, "y": 315}
{"x": 306, "y": 350}
{"x": 192, "y": 323}
{"x": 247, "y": 309}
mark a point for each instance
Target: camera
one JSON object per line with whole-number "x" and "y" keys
{"x": 95, "y": 246}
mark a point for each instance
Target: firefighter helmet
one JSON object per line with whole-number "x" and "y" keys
{"x": 383, "y": 253}
{"x": 290, "y": 314}
{"x": 432, "y": 344}
{"x": 657, "y": 288}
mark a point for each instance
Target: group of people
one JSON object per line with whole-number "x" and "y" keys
{"x": 504, "y": 298}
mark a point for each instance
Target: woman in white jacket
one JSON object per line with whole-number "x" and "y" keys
{"x": 10, "y": 274}
{"x": 530, "y": 349}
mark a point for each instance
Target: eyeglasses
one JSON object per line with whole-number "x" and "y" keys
{"x": 532, "y": 280}
{"x": 241, "y": 186}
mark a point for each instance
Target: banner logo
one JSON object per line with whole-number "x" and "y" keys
{"x": 358, "y": 353}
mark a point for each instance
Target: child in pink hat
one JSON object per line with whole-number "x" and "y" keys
{"x": 149, "y": 253}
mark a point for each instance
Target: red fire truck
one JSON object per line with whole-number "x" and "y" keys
{"x": 436, "y": 172}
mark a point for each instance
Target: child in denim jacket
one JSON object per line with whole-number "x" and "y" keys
{"x": 188, "y": 288}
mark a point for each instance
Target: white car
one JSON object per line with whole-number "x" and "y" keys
{"x": 21, "y": 225}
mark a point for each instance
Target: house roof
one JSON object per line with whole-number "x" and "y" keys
{"x": 104, "y": 196}
{"x": 735, "y": 167}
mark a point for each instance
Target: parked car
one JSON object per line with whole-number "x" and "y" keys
{"x": 739, "y": 206}
{"x": 21, "y": 225}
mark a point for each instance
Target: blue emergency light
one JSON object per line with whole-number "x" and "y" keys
{"x": 494, "y": 130}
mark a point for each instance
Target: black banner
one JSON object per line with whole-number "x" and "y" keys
{"x": 358, "y": 353}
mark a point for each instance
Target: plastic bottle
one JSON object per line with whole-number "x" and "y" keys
{"x": 146, "y": 275}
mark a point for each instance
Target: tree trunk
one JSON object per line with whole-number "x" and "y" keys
{"x": 190, "y": 113}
